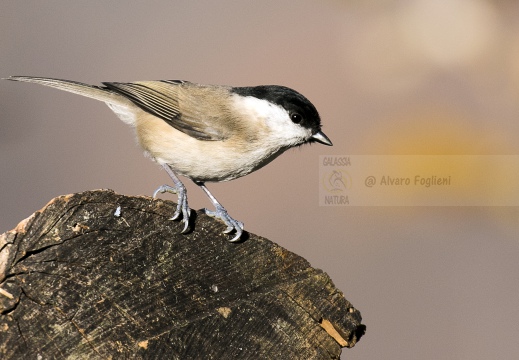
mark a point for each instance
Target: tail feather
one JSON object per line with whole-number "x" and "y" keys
{"x": 91, "y": 91}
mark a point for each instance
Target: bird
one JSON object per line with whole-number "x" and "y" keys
{"x": 206, "y": 133}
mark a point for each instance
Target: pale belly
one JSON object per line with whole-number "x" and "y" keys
{"x": 200, "y": 160}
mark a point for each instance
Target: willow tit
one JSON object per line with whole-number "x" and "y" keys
{"x": 206, "y": 132}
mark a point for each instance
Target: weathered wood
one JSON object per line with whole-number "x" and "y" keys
{"x": 97, "y": 275}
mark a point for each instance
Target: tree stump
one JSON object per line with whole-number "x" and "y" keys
{"x": 98, "y": 275}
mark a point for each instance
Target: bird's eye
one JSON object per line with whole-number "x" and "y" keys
{"x": 296, "y": 118}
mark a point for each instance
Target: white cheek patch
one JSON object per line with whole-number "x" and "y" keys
{"x": 274, "y": 117}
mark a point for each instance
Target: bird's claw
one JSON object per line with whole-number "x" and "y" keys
{"x": 185, "y": 218}
{"x": 186, "y": 226}
{"x": 164, "y": 188}
{"x": 175, "y": 216}
{"x": 221, "y": 214}
{"x": 184, "y": 210}
{"x": 182, "y": 206}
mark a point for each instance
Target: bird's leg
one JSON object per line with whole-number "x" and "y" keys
{"x": 180, "y": 190}
{"x": 221, "y": 213}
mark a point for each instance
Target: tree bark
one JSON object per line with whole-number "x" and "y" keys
{"x": 98, "y": 275}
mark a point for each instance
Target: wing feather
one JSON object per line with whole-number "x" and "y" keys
{"x": 168, "y": 101}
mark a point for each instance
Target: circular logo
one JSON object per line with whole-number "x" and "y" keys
{"x": 336, "y": 181}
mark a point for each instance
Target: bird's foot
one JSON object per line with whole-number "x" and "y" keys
{"x": 221, "y": 214}
{"x": 182, "y": 206}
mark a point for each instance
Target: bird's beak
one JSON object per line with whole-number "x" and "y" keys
{"x": 321, "y": 138}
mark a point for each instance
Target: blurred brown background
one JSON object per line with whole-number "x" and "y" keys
{"x": 388, "y": 77}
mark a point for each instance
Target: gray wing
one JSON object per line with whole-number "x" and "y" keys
{"x": 168, "y": 100}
